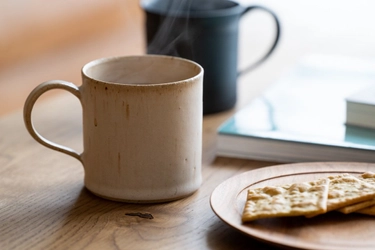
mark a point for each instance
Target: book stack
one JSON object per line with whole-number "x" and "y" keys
{"x": 302, "y": 117}
{"x": 360, "y": 108}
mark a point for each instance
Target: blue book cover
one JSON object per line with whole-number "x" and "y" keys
{"x": 302, "y": 117}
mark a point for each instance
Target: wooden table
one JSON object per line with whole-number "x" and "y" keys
{"x": 43, "y": 202}
{"x": 44, "y": 205}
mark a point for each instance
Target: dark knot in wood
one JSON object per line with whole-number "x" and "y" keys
{"x": 141, "y": 215}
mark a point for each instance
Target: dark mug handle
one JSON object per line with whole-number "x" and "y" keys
{"x": 257, "y": 63}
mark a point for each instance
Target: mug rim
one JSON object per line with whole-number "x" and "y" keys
{"x": 236, "y": 9}
{"x": 116, "y": 58}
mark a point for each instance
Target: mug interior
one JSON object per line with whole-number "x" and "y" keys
{"x": 141, "y": 70}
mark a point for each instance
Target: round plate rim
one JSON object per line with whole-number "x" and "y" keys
{"x": 290, "y": 168}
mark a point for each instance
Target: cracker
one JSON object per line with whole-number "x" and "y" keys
{"x": 345, "y": 190}
{"x": 368, "y": 177}
{"x": 368, "y": 210}
{"x": 289, "y": 200}
{"x": 357, "y": 206}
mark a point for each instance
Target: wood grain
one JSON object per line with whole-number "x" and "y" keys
{"x": 44, "y": 205}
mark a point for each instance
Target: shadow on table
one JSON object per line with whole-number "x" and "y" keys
{"x": 229, "y": 238}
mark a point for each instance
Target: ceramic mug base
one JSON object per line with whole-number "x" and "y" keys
{"x": 135, "y": 201}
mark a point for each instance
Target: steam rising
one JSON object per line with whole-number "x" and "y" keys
{"x": 173, "y": 28}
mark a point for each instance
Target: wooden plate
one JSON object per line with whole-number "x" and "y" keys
{"x": 328, "y": 231}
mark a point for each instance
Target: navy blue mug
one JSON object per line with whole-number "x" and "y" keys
{"x": 205, "y": 31}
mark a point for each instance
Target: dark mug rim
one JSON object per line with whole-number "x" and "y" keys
{"x": 233, "y": 9}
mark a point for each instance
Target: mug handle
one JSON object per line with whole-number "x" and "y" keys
{"x": 28, "y": 107}
{"x": 277, "y": 37}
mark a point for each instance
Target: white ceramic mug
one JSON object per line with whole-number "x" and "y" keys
{"x": 142, "y": 126}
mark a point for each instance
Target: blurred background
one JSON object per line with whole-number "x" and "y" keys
{"x": 45, "y": 40}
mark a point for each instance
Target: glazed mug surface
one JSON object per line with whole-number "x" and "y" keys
{"x": 142, "y": 126}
